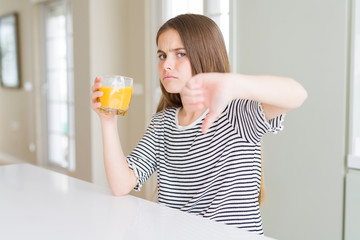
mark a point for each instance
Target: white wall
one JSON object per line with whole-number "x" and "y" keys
{"x": 17, "y": 110}
{"x": 81, "y": 15}
{"x": 107, "y": 46}
{"x": 304, "y": 164}
{"x": 117, "y": 46}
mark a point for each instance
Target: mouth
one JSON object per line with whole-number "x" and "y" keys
{"x": 169, "y": 77}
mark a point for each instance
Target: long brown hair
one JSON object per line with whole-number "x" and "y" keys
{"x": 205, "y": 47}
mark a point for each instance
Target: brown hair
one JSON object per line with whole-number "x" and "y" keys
{"x": 204, "y": 45}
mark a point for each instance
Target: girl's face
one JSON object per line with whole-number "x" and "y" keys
{"x": 174, "y": 65}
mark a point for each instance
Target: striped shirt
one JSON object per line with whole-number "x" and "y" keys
{"x": 216, "y": 175}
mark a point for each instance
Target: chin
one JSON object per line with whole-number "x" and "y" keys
{"x": 172, "y": 89}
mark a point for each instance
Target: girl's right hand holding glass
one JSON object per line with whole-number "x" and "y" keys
{"x": 95, "y": 95}
{"x": 95, "y": 103}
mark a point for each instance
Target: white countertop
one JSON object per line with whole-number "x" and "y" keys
{"x": 37, "y": 203}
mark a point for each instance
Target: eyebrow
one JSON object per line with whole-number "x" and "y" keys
{"x": 171, "y": 50}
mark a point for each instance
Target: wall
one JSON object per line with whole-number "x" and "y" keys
{"x": 81, "y": 32}
{"x": 304, "y": 164}
{"x": 17, "y": 111}
{"x": 117, "y": 47}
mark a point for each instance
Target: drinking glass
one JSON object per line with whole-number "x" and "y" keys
{"x": 117, "y": 94}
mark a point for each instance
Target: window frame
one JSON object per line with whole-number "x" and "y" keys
{"x": 353, "y": 158}
{"x": 70, "y": 160}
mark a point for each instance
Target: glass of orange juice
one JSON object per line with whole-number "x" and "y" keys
{"x": 117, "y": 94}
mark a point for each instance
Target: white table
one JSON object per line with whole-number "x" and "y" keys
{"x": 36, "y": 203}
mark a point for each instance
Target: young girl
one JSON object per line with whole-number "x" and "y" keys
{"x": 205, "y": 139}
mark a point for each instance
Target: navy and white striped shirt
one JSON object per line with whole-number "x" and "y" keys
{"x": 216, "y": 175}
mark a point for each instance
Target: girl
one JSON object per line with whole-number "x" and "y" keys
{"x": 205, "y": 139}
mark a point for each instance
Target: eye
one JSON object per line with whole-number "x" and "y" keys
{"x": 181, "y": 54}
{"x": 161, "y": 56}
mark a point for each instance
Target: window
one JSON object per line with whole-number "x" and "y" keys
{"x": 58, "y": 85}
{"x": 173, "y": 8}
{"x": 354, "y": 130}
{"x": 217, "y": 10}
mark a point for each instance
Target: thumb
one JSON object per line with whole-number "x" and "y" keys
{"x": 194, "y": 83}
{"x": 208, "y": 121}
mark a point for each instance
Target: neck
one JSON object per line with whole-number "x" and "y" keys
{"x": 186, "y": 117}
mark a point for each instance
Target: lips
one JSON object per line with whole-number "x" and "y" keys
{"x": 169, "y": 77}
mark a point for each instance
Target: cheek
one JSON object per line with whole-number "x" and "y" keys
{"x": 159, "y": 67}
{"x": 186, "y": 68}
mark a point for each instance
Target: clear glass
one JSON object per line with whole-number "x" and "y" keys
{"x": 59, "y": 82}
{"x": 355, "y": 78}
{"x": 218, "y": 10}
{"x": 117, "y": 91}
{"x": 8, "y": 52}
{"x": 215, "y": 7}
{"x": 58, "y": 118}
{"x": 59, "y": 149}
{"x": 173, "y": 8}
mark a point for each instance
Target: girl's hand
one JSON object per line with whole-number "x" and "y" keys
{"x": 211, "y": 90}
{"x": 95, "y": 103}
{"x": 276, "y": 94}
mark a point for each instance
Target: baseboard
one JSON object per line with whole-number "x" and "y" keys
{"x": 9, "y": 159}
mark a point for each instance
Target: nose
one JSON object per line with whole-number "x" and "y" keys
{"x": 168, "y": 64}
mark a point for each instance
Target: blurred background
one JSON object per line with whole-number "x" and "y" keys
{"x": 51, "y": 52}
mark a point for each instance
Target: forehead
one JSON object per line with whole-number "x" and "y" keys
{"x": 170, "y": 39}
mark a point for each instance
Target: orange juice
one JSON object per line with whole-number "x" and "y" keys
{"x": 115, "y": 98}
